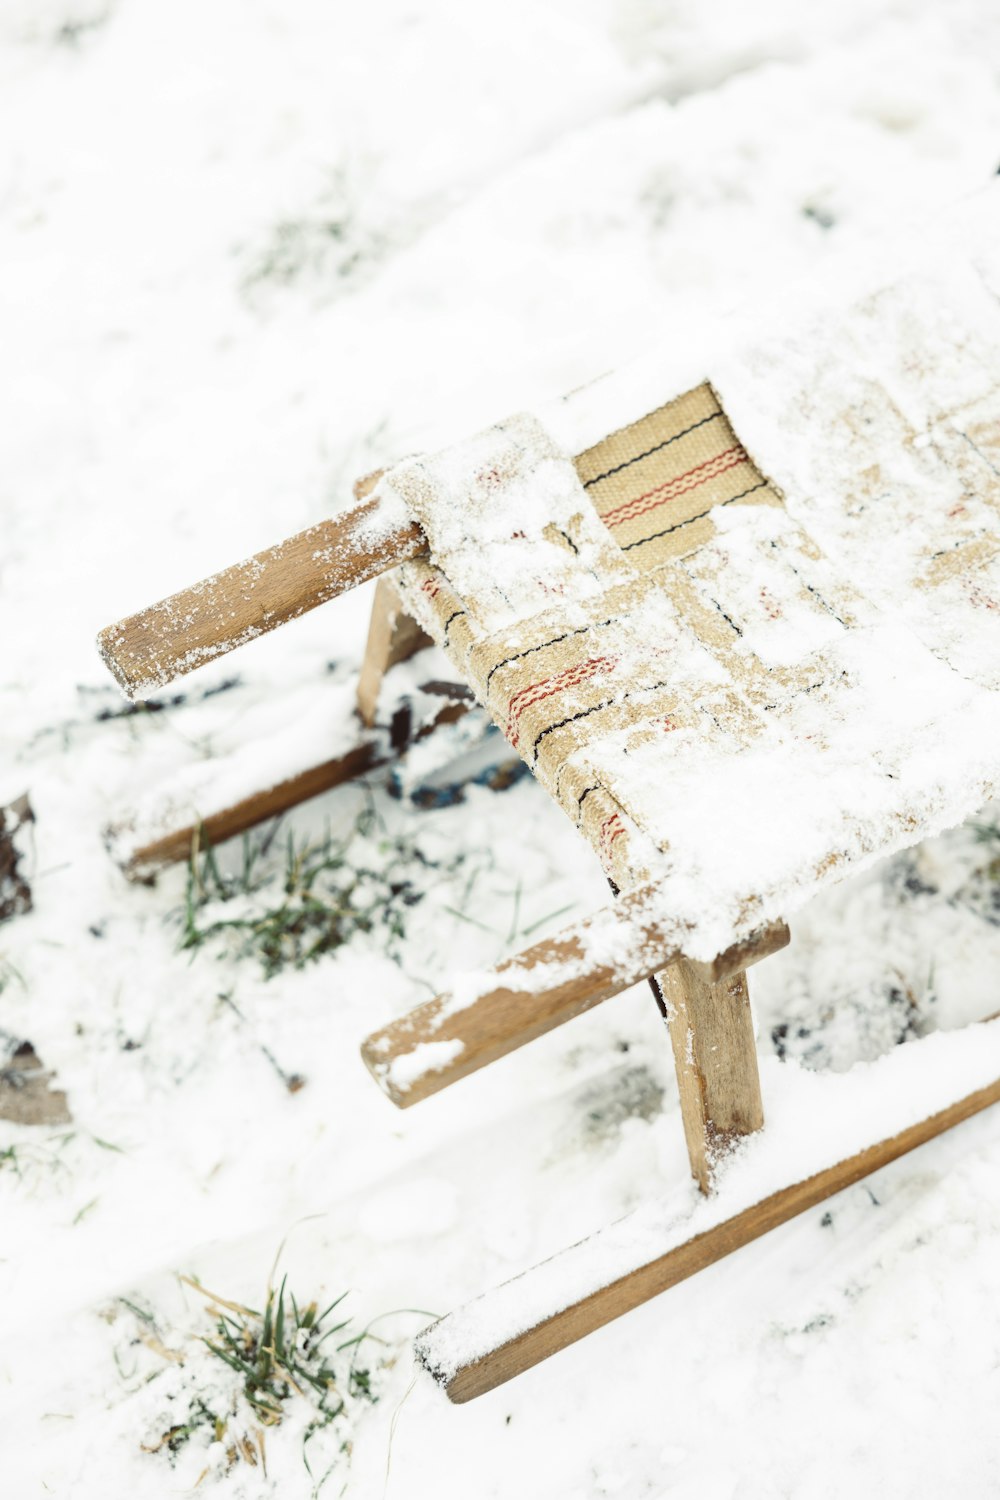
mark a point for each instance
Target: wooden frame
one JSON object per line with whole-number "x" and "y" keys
{"x": 715, "y": 1055}
{"x": 393, "y": 637}
{"x": 707, "y": 1010}
{"x": 142, "y": 860}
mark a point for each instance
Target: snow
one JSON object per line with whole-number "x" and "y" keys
{"x": 428, "y": 1057}
{"x": 498, "y": 511}
{"x": 250, "y": 253}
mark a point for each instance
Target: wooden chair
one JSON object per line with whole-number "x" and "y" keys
{"x": 749, "y": 640}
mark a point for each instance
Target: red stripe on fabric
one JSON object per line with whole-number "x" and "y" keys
{"x": 672, "y": 488}
{"x": 536, "y": 692}
{"x": 611, "y": 829}
{"x": 581, "y": 670}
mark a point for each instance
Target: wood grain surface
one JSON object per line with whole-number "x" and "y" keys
{"x": 529, "y": 994}
{"x": 151, "y": 648}
{"x": 393, "y": 636}
{"x": 177, "y": 845}
{"x": 715, "y": 1054}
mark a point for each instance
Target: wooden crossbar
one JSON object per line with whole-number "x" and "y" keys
{"x": 149, "y": 649}
{"x": 143, "y": 860}
{"x": 465, "y": 1377}
{"x": 454, "y": 1035}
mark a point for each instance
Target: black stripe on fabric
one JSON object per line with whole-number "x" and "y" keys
{"x": 728, "y": 618}
{"x": 811, "y": 587}
{"x": 812, "y": 688}
{"x": 557, "y": 784}
{"x": 518, "y": 655}
{"x": 447, "y": 623}
{"x": 584, "y": 712}
{"x": 656, "y": 449}
{"x": 679, "y": 525}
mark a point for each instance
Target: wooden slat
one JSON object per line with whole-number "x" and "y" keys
{"x": 447, "y": 1038}
{"x": 565, "y": 1327}
{"x": 392, "y": 637}
{"x": 139, "y": 861}
{"x": 740, "y": 955}
{"x": 149, "y": 649}
{"x": 176, "y": 845}
{"x": 715, "y": 1054}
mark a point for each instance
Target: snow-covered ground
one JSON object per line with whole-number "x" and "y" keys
{"x": 247, "y": 252}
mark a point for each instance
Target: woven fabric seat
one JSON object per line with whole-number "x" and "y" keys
{"x": 744, "y": 648}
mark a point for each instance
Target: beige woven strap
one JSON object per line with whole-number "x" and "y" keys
{"x": 654, "y": 483}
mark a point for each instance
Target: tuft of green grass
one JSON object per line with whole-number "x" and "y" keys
{"x": 317, "y": 898}
{"x": 286, "y": 1355}
{"x": 9, "y": 972}
{"x": 198, "y": 1416}
{"x": 25, "y": 1158}
{"x": 286, "y": 1350}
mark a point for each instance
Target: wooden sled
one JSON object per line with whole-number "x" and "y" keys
{"x": 693, "y": 649}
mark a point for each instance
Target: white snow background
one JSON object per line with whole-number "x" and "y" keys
{"x": 248, "y": 251}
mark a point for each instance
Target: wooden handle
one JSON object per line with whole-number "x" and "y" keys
{"x": 150, "y": 648}
{"x": 454, "y": 1035}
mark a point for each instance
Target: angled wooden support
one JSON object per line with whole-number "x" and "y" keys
{"x": 526, "y": 1320}
{"x": 494, "y": 1012}
{"x": 715, "y": 1054}
{"x": 393, "y": 637}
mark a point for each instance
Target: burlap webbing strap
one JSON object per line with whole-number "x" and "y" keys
{"x": 653, "y": 483}
{"x": 636, "y": 658}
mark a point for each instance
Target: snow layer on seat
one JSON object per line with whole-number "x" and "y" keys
{"x": 791, "y": 661}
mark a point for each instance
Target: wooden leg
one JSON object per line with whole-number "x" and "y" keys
{"x": 392, "y": 637}
{"x": 715, "y": 1054}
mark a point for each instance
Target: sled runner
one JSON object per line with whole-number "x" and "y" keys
{"x": 748, "y": 639}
